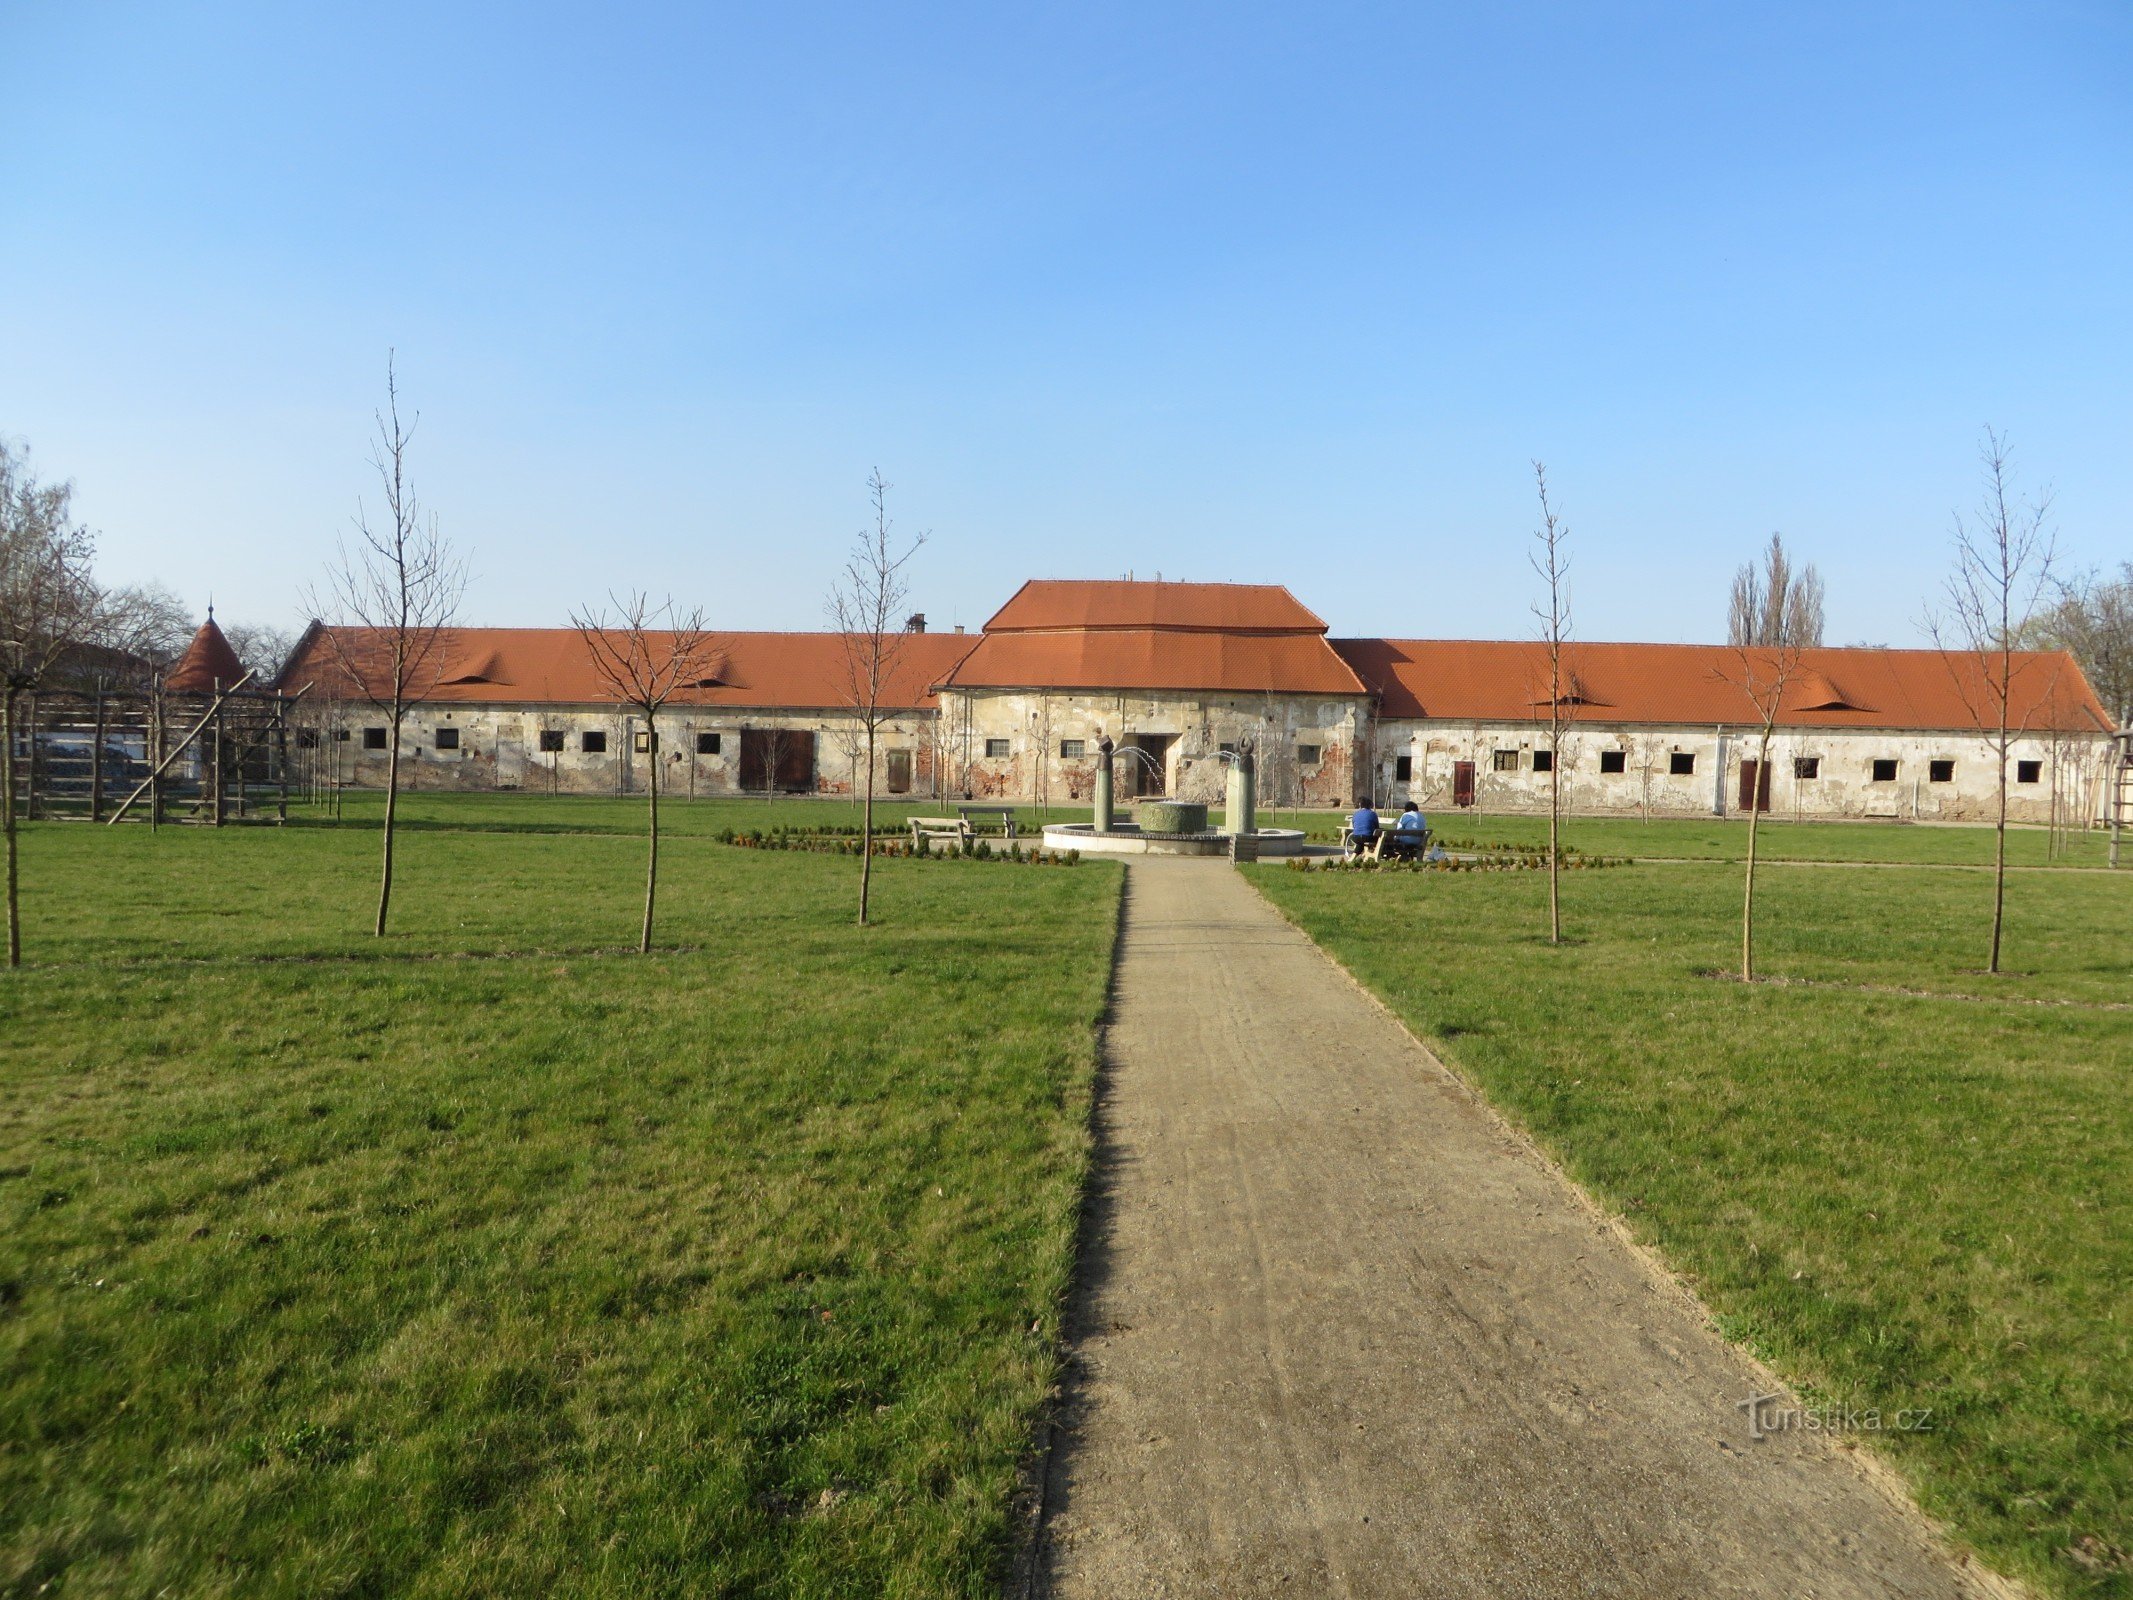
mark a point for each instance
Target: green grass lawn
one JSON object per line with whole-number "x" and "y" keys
{"x": 1726, "y": 838}
{"x": 489, "y": 1260}
{"x": 1692, "y": 838}
{"x": 1898, "y": 1201}
{"x": 530, "y": 813}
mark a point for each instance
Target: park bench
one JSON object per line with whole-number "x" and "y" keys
{"x": 929, "y": 831}
{"x": 1374, "y": 848}
{"x": 1005, "y": 815}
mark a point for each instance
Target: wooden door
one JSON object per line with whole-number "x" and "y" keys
{"x": 1462, "y": 783}
{"x": 1754, "y": 785}
{"x": 899, "y": 765}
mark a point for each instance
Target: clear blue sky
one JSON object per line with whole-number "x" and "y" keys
{"x": 1220, "y": 291}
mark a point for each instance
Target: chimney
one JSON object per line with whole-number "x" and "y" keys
{"x": 915, "y": 623}
{"x": 958, "y": 627}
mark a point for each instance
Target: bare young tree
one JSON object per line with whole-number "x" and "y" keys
{"x": 1763, "y": 672}
{"x": 864, "y": 606}
{"x": 48, "y": 606}
{"x": 263, "y": 648}
{"x": 2091, "y": 617}
{"x": 1551, "y": 561}
{"x": 644, "y": 656}
{"x": 146, "y": 624}
{"x": 1775, "y": 603}
{"x": 2003, "y": 571}
{"x": 392, "y": 598}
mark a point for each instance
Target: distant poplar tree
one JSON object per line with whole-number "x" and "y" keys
{"x": 1775, "y": 603}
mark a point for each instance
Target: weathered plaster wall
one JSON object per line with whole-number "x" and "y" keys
{"x": 1033, "y": 726}
{"x": 500, "y": 749}
{"x": 1844, "y": 784}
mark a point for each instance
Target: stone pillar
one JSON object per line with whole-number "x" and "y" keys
{"x": 1242, "y": 806}
{"x": 1103, "y": 785}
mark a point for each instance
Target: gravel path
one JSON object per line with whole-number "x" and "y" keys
{"x": 1340, "y": 1334}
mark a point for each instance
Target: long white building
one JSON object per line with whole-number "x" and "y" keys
{"x": 1176, "y": 674}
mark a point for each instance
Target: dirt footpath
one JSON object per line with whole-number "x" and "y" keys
{"x": 1339, "y": 1335}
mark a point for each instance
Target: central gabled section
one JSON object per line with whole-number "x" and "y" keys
{"x": 1127, "y": 636}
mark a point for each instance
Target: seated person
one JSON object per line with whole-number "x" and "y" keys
{"x": 1408, "y": 834}
{"x": 1363, "y": 826}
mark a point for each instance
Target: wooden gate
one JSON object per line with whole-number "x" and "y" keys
{"x": 778, "y": 758}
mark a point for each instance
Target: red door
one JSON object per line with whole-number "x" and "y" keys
{"x": 1754, "y": 786}
{"x": 1462, "y": 783}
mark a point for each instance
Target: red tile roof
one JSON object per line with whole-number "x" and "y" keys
{"x": 207, "y": 661}
{"x": 1227, "y": 638}
{"x": 551, "y": 666}
{"x": 1474, "y": 680}
{"x": 1054, "y": 604}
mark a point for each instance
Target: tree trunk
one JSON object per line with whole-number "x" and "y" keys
{"x": 1747, "y": 902}
{"x": 1555, "y": 822}
{"x": 651, "y": 860}
{"x": 96, "y": 760}
{"x": 1999, "y": 863}
{"x": 866, "y": 832}
{"x": 7, "y": 824}
{"x": 392, "y": 801}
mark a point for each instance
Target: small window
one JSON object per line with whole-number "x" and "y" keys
{"x": 593, "y": 741}
{"x": 1544, "y": 761}
{"x": 2028, "y": 771}
{"x": 1507, "y": 761}
{"x": 448, "y": 738}
{"x": 1072, "y": 749}
{"x": 551, "y": 740}
{"x": 643, "y": 741}
{"x": 340, "y": 735}
{"x": 1403, "y": 769}
{"x": 307, "y": 738}
{"x": 1307, "y": 755}
{"x": 707, "y": 744}
{"x": 1940, "y": 772}
{"x": 373, "y": 738}
{"x": 996, "y": 747}
{"x": 1884, "y": 771}
{"x": 1229, "y": 749}
{"x": 1681, "y": 764}
{"x": 1614, "y": 761}
{"x": 1806, "y": 768}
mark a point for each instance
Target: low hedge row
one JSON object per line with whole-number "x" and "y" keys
{"x": 817, "y": 842}
{"x": 1520, "y": 862}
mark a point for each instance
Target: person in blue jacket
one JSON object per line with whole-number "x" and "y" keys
{"x": 1408, "y": 833}
{"x": 1363, "y": 826}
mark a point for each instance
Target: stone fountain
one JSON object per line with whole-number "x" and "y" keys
{"x": 1176, "y": 827}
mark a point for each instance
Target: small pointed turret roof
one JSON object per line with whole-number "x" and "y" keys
{"x": 208, "y": 660}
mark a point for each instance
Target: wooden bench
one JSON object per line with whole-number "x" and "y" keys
{"x": 929, "y": 831}
{"x": 1004, "y": 814}
{"x": 1369, "y": 849}
{"x": 1374, "y": 848}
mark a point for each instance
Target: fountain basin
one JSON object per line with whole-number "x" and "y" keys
{"x": 1170, "y": 816}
